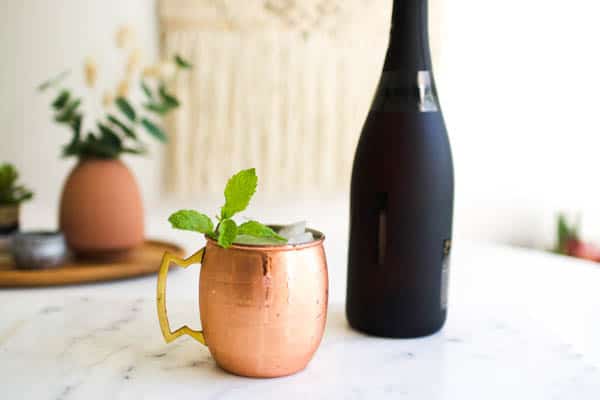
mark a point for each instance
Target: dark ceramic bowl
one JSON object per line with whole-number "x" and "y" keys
{"x": 38, "y": 250}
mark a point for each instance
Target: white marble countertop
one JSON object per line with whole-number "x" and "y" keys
{"x": 521, "y": 325}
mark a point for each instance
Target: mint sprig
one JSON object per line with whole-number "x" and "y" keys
{"x": 238, "y": 192}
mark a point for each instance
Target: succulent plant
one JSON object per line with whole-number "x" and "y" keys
{"x": 10, "y": 192}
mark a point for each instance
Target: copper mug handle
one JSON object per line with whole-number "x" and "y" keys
{"x": 161, "y": 292}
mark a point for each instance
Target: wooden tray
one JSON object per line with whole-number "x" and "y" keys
{"x": 143, "y": 261}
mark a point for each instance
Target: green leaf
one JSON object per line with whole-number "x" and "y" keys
{"x": 74, "y": 147}
{"x": 68, "y": 113}
{"x": 190, "y": 220}
{"x": 227, "y": 233}
{"x": 10, "y": 193}
{"x": 8, "y": 176}
{"x": 132, "y": 150}
{"x": 146, "y": 90}
{"x": 154, "y": 130}
{"x": 126, "y": 108}
{"x": 94, "y": 147}
{"x": 109, "y": 137}
{"x": 238, "y": 192}
{"x": 168, "y": 99}
{"x": 160, "y": 109}
{"x": 126, "y": 130}
{"x": 53, "y": 81}
{"x": 182, "y": 63}
{"x": 258, "y": 230}
{"x": 61, "y": 100}
{"x": 564, "y": 234}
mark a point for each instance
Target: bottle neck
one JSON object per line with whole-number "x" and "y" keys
{"x": 409, "y": 37}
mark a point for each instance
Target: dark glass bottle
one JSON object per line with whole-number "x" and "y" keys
{"x": 402, "y": 194}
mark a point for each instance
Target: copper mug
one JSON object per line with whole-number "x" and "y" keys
{"x": 263, "y": 308}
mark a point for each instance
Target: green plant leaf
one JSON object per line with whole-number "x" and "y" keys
{"x": 168, "y": 99}
{"x": 132, "y": 150}
{"x": 69, "y": 112}
{"x": 563, "y": 234}
{"x": 227, "y": 233}
{"x": 53, "y": 81}
{"x": 8, "y": 176}
{"x": 10, "y": 193}
{"x": 258, "y": 230}
{"x": 160, "y": 109}
{"x": 154, "y": 130}
{"x": 190, "y": 220}
{"x": 182, "y": 63}
{"x": 126, "y": 108}
{"x": 74, "y": 146}
{"x": 126, "y": 130}
{"x": 109, "y": 137}
{"x": 61, "y": 100}
{"x": 238, "y": 192}
{"x": 94, "y": 147}
{"x": 76, "y": 123}
{"x": 146, "y": 90}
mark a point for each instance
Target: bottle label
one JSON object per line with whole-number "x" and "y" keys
{"x": 445, "y": 274}
{"x": 401, "y": 91}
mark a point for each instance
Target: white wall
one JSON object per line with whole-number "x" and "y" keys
{"x": 518, "y": 81}
{"x": 519, "y": 85}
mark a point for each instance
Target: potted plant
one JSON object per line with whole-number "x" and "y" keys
{"x": 11, "y": 196}
{"x": 263, "y": 289}
{"x": 101, "y": 208}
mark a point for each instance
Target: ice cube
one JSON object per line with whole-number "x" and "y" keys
{"x": 302, "y": 238}
{"x": 290, "y": 231}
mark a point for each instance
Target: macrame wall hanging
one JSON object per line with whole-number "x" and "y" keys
{"x": 280, "y": 85}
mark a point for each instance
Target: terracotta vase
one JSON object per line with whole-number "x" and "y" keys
{"x": 263, "y": 308}
{"x": 101, "y": 210}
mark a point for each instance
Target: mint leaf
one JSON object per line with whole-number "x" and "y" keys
{"x": 238, "y": 192}
{"x": 258, "y": 230}
{"x": 227, "y": 233}
{"x": 190, "y": 220}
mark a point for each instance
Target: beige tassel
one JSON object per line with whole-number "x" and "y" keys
{"x": 133, "y": 62}
{"x": 125, "y": 37}
{"x": 90, "y": 71}
{"x": 123, "y": 88}
{"x": 107, "y": 99}
{"x": 152, "y": 71}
